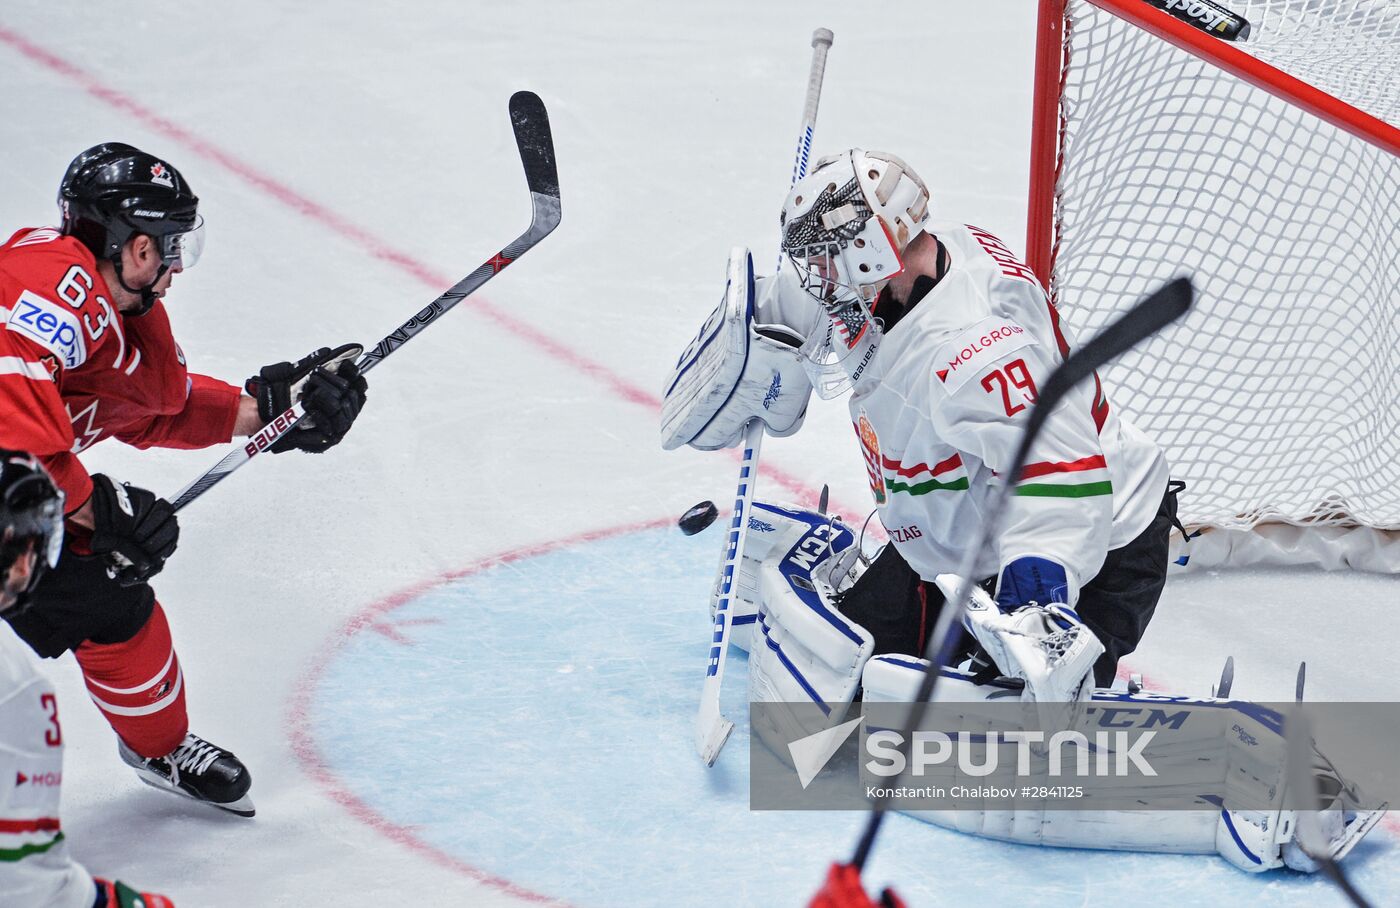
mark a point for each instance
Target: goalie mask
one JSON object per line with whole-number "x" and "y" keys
{"x": 844, "y": 227}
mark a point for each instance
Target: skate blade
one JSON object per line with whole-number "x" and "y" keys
{"x": 243, "y": 807}
{"x": 1357, "y": 829}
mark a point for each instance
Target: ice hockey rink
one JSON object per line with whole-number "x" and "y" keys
{"x": 461, "y": 652}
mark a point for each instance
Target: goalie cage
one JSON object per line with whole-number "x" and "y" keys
{"x": 1269, "y": 170}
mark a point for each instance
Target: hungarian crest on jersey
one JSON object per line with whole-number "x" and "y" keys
{"x": 870, "y": 445}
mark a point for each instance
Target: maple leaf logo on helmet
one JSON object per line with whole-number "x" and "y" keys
{"x": 160, "y": 175}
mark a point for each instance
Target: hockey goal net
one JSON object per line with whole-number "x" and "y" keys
{"x": 1269, "y": 170}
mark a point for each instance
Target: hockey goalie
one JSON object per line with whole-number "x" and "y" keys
{"x": 941, "y": 336}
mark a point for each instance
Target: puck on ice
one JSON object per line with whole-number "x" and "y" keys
{"x": 698, "y": 517}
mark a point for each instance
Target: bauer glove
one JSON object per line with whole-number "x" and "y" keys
{"x": 329, "y": 387}
{"x": 132, "y": 527}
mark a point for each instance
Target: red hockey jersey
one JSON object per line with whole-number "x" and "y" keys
{"x": 74, "y": 370}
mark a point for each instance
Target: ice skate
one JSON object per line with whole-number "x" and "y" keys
{"x": 197, "y": 770}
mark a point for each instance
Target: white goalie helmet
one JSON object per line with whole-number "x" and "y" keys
{"x": 844, "y": 227}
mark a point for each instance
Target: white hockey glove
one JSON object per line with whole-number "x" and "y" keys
{"x": 737, "y": 368}
{"x": 1045, "y": 645}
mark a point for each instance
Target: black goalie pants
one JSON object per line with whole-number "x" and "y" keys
{"x": 900, "y": 609}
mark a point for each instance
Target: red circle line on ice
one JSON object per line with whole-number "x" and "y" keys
{"x": 368, "y": 618}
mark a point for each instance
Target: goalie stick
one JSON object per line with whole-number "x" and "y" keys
{"x": 711, "y": 727}
{"x": 1160, "y": 308}
{"x": 536, "y": 145}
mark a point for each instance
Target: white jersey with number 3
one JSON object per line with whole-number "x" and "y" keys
{"x": 939, "y": 413}
{"x": 36, "y": 868}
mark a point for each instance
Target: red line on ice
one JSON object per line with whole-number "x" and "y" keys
{"x": 376, "y": 247}
{"x": 372, "y": 618}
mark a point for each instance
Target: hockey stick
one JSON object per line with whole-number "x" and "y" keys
{"x": 1159, "y": 309}
{"x": 711, "y": 727}
{"x": 536, "y": 145}
{"x": 1309, "y": 835}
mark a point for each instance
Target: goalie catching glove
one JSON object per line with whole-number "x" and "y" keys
{"x": 329, "y": 387}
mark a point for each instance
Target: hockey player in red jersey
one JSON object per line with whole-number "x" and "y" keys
{"x": 36, "y": 868}
{"x": 87, "y": 353}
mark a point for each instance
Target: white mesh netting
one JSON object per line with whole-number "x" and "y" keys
{"x": 1276, "y": 398}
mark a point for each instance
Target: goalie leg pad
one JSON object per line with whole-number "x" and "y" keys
{"x": 778, "y": 532}
{"x": 1246, "y": 742}
{"x": 895, "y": 678}
{"x": 736, "y": 370}
{"x": 804, "y": 651}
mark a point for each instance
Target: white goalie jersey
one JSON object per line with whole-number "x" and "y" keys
{"x": 939, "y": 413}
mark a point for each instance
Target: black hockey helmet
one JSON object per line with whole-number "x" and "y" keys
{"x": 31, "y": 524}
{"x": 114, "y": 191}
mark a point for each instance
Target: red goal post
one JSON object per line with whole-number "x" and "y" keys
{"x": 1269, "y": 169}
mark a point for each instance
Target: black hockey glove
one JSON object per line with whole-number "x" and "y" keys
{"x": 132, "y": 527}
{"x": 329, "y": 387}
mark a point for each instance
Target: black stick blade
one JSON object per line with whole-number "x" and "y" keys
{"x": 1158, "y": 309}
{"x": 536, "y": 142}
{"x": 1227, "y": 678}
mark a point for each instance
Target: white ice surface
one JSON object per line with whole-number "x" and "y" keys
{"x": 675, "y": 126}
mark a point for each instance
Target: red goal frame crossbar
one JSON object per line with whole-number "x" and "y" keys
{"x": 1049, "y": 79}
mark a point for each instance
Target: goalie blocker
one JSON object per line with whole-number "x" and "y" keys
{"x": 737, "y": 368}
{"x": 803, "y": 649}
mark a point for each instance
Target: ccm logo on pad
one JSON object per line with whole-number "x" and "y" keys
{"x": 51, "y": 326}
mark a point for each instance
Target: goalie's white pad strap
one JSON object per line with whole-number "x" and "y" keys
{"x": 1239, "y": 745}
{"x": 735, "y": 370}
{"x": 804, "y": 650}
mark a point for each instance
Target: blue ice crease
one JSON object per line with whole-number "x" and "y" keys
{"x": 537, "y": 725}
